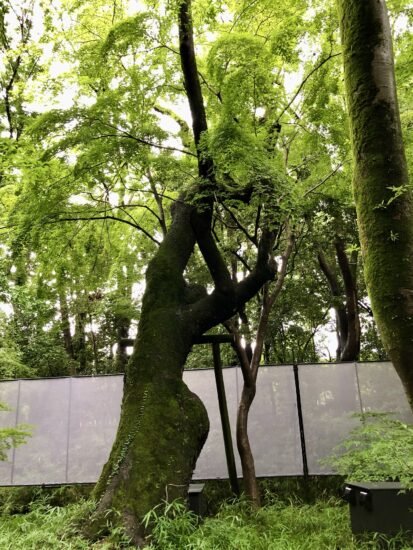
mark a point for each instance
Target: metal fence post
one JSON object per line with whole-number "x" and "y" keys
{"x": 300, "y": 420}
{"x": 226, "y": 427}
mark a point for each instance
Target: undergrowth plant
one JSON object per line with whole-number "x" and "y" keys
{"x": 380, "y": 449}
{"x": 12, "y": 437}
{"x": 49, "y": 527}
{"x": 280, "y": 526}
{"x": 170, "y": 523}
{"x": 237, "y": 526}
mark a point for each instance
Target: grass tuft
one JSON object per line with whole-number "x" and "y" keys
{"x": 236, "y": 526}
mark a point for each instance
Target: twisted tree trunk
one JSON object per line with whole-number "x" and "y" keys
{"x": 163, "y": 425}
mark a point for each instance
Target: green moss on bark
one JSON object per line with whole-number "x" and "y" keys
{"x": 161, "y": 434}
{"x": 383, "y": 198}
{"x": 163, "y": 426}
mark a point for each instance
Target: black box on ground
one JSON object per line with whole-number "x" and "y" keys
{"x": 196, "y": 499}
{"x": 379, "y": 507}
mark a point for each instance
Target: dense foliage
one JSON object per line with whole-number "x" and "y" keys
{"x": 95, "y": 146}
{"x": 11, "y": 437}
{"x": 240, "y": 205}
{"x": 380, "y": 449}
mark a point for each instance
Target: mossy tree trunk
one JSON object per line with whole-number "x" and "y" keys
{"x": 383, "y": 199}
{"x": 163, "y": 425}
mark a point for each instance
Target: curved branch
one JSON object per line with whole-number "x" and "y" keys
{"x": 251, "y": 238}
{"x": 303, "y": 83}
{"x": 241, "y": 259}
{"x": 127, "y": 135}
{"x": 223, "y": 304}
{"x": 94, "y": 218}
{"x": 215, "y": 262}
{"x": 326, "y": 178}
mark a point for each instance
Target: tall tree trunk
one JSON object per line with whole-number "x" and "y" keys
{"x": 347, "y": 314}
{"x": 339, "y": 307}
{"x": 79, "y": 341}
{"x": 243, "y": 444}
{"x": 65, "y": 327}
{"x": 383, "y": 200}
{"x": 249, "y": 368}
{"x": 163, "y": 425}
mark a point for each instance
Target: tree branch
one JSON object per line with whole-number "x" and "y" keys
{"x": 127, "y": 135}
{"x": 241, "y": 353}
{"x": 159, "y": 203}
{"x": 303, "y": 83}
{"x": 193, "y": 86}
{"x": 241, "y": 259}
{"x": 269, "y": 300}
{"x": 106, "y": 217}
{"x": 185, "y": 130}
{"x": 251, "y": 238}
{"x": 220, "y": 306}
{"x": 330, "y": 175}
{"x": 215, "y": 262}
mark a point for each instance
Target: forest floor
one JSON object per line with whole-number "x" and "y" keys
{"x": 277, "y": 526}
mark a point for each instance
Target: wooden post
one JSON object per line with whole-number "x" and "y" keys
{"x": 226, "y": 428}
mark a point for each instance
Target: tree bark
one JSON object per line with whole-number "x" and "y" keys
{"x": 339, "y": 308}
{"x": 347, "y": 314}
{"x": 351, "y": 350}
{"x": 163, "y": 425}
{"x": 243, "y": 443}
{"x": 65, "y": 325}
{"x": 249, "y": 368}
{"x": 383, "y": 199}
